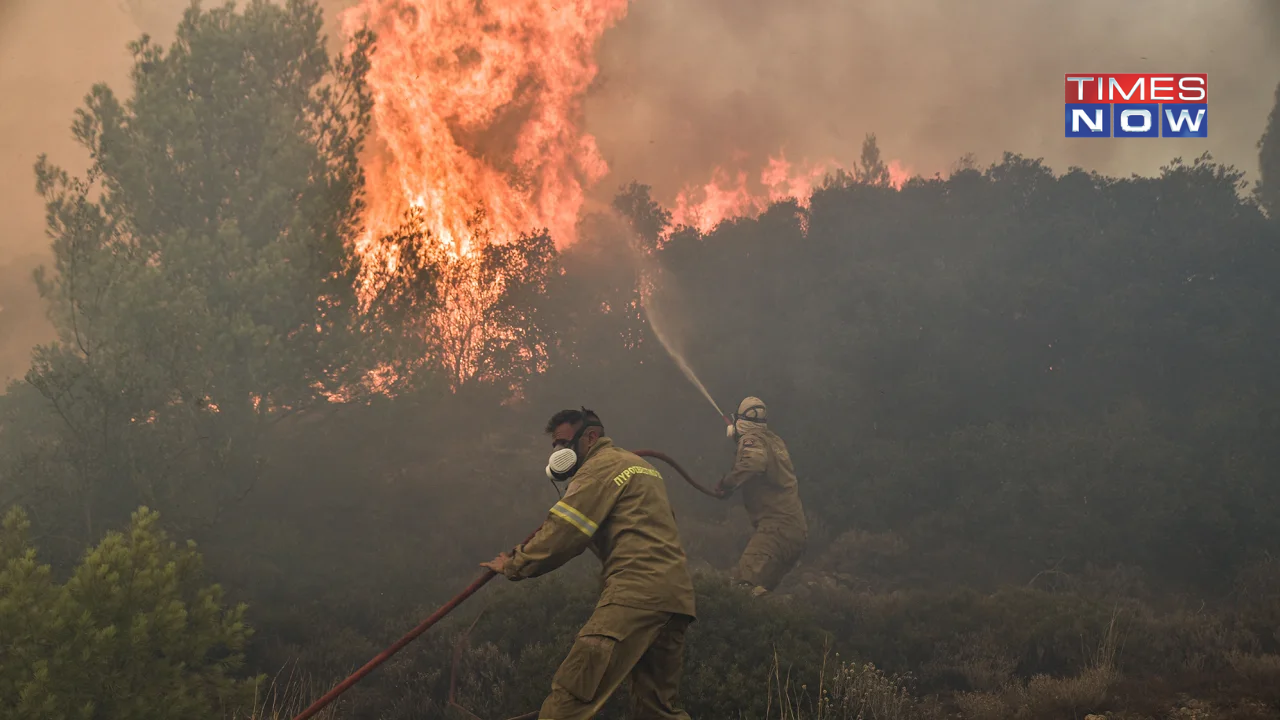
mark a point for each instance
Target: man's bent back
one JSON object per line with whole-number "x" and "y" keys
{"x": 616, "y": 505}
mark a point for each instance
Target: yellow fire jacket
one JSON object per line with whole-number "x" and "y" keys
{"x": 764, "y": 471}
{"x": 616, "y": 505}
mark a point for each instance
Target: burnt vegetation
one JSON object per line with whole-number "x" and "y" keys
{"x": 1035, "y": 415}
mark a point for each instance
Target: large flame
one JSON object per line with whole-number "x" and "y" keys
{"x": 479, "y": 136}
{"x": 731, "y": 195}
{"x": 477, "y": 108}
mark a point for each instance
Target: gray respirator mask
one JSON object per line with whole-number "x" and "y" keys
{"x": 564, "y": 462}
{"x": 731, "y": 431}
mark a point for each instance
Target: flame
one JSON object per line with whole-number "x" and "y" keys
{"x": 477, "y": 108}
{"x": 725, "y": 197}
{"x": 478, "y": 136}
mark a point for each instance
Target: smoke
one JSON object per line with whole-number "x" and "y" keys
{"x": 686, "y": 87}
{"x": 51, "y": 53}
{"x": 664, "y": 309}
{"x": 22, "y": 323}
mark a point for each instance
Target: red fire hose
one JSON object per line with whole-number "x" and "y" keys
{"x": 667, "y": 459}
{"x": 457, "y": 600}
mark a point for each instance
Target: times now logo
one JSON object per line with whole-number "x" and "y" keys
{"x": 1137, "y": 105}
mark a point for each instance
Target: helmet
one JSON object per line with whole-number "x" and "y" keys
{"x": 752, "y": 409}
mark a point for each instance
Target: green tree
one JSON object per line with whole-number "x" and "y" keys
{"x": 203, "y": 283}
{"x": 133, "y": 633}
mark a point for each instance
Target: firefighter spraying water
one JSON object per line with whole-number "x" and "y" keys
{"x": 763, "y": 469}
{"x": 762, "y": 465}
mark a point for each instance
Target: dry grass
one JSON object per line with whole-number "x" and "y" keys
{"x": 286, "y": 696}
{"x": 985, "y": 662}
{"x": 845, "y": 691}
{"x": 1261, "y": 669}
{"x": 1050, "y": 697}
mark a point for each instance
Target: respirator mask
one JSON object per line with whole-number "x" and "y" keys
{"x": 564, "y": 461}
{"x": 748, "y": 412}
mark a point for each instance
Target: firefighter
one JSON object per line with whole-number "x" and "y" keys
{"x": 616, "y": 505}
{"x": 762, "y": 468}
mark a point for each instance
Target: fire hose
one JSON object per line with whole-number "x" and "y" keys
{"x": 454, "y": 602}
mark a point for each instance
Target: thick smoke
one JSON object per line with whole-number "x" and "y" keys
{"x": 685, "y": 86}
{"x": 51, "y": 53}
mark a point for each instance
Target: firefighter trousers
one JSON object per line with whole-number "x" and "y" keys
{"x": 620, "y": 643}
{"x": 771, "y": 553}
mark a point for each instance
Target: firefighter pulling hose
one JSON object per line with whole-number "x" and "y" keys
{"x": 616, "y": 505}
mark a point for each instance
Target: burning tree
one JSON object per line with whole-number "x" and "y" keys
{"x": 459, "y": 316}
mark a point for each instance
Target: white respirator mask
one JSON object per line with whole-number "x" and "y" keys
{"x": 564, "y": 461}
{"x": 561, "y": 464}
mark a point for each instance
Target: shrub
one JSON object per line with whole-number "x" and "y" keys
{"x": 132, "y": 633}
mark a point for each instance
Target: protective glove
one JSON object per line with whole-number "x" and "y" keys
{"x": 720, "y": 490}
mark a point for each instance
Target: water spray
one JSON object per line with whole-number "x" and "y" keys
{"x": 649, "y": 272}
{"x": 675, "y": 354}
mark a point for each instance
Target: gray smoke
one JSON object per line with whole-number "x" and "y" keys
{"x": 688, "y": 86}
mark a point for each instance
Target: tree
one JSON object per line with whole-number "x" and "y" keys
{"x": 1268, "y": 188}
{"x": 648, "y": 219}
{"x": 521, "y": 346}
{"x": 462, "y": 318}
{"x": 204, "y": 284}
{"x": 133, "y": 633}
{"x": 935, "y": 354}
{"x": 871, "y": 168}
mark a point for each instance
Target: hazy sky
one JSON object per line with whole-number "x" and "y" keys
{"x": 932, "y": 78}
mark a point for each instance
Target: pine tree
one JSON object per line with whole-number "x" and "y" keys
{"x": 871, "y": 168}
{"x": 133, "y": 634}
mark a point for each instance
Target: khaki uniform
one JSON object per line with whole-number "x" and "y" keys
{"x": 764, "y": 471}
{"x": 617, "y": 506}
